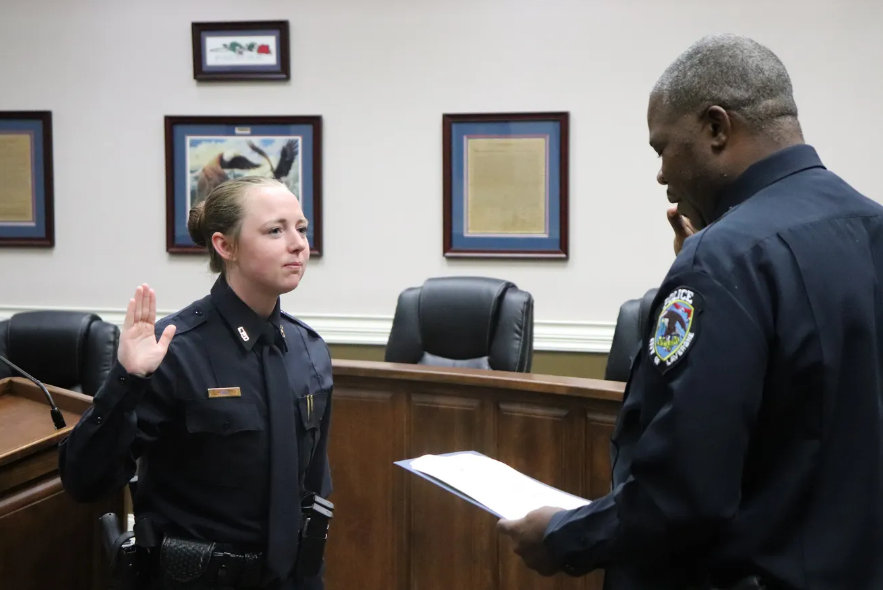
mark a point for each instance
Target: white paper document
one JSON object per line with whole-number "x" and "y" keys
{"x": 492, "y": 484}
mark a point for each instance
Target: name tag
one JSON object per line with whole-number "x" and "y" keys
{"x": 224, "y": 392}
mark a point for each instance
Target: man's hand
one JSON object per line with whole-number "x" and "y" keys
{"x": 527, "y": 535}
{"x": 682, "y": 226}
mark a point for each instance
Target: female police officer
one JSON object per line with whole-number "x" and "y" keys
{"x": 225, "y": 405}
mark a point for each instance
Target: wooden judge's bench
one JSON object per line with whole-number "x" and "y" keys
{"x": 391, "y": 530}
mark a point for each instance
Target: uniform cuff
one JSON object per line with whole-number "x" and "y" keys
{"x": 121, "y": 390}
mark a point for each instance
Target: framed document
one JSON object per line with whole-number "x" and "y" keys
{"x": 241, "y": 51}
{"x": 506, "y": 185}
{"x": 203, "y": 152}
{"x": 26, "y": 182}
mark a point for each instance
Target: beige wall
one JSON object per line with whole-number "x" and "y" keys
{"x": 382, "y": 74}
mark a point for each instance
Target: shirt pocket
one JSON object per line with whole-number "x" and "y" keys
{"x": 225, "y": 440}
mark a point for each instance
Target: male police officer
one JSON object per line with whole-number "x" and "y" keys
{"x": 750, "y": 440}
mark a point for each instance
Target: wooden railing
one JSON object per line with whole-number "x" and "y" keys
{"x": 395, "y": 531}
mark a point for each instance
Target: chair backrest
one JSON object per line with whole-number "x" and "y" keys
{"x": 69, "y": 349}
{"x": 632, "y": 325}
{"x": 476, "y": 322}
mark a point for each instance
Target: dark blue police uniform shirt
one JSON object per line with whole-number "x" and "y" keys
{"x": 203, "y": 453}
{"x": 750, "y": 439}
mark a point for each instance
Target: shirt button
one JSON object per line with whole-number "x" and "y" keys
{"x": 97, "y": 419}
{"x": 197, "y": 312}
{"x": 226, "y": 426}
{"x": 123, "y": 379}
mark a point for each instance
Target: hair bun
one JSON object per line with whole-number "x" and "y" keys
{"x": 196, "y": 224}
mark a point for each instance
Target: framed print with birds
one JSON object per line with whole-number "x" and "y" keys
{"x": 204, "y": 151}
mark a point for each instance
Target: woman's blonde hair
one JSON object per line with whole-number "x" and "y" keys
{"x": 222, "y": 211}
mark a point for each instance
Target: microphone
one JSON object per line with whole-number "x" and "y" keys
{"x": 57, "y": 418}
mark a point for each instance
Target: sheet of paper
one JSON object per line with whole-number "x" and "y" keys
{"x": 493, "y": 484}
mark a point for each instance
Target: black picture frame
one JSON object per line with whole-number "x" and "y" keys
{"x": 547, "y": 236}
{"x": 241, "y": 51}
{"x": 220, "y": 134}
{"x": 33, "y": 226}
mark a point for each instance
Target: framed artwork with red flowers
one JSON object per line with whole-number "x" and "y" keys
{"x": 241, "y": 51}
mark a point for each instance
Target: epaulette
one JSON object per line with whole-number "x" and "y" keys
{"x": 294, "y": 320}
{"x": 184, "y": 319}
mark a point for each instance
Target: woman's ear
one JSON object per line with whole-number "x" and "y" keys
{"x": 223, "y": 246}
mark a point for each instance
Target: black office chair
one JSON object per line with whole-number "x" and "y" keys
{"x": 475, "y": 322}
{"x": 632, "y": 325}
{"x": 69, "y": 349}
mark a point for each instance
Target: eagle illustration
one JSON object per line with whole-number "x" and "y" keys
{"x": 672, "y": 320}
{"x": 214, "y": 172}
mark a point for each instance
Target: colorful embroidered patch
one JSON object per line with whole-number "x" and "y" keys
{"x": 676, "y": 328}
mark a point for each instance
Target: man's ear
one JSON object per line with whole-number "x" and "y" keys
{"x": 223, "y": 246}
{"x": 718, "y": 126}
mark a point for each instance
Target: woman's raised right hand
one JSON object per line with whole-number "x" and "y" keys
{"x": 140, "y": 353}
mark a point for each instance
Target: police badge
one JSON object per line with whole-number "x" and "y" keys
{"x": 676, "y": 328}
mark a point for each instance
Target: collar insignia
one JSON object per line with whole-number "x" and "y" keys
{"x": 243, "y": 333}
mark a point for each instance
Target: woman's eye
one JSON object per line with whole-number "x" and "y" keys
{"x": 302, "y": 230}
{"x": 276, "y": 230}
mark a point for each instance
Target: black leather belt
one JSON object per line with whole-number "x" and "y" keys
{"x": 195, "y": 564}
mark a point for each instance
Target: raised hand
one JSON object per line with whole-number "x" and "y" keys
{"x": 140, "y": 353}
{"x": 682, "y": 226}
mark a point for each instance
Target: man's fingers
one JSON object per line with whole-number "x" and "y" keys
{"x": 505, "y": 526}
{"x": 677, "y": 222}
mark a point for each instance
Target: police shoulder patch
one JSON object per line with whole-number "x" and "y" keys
{"x": 675, "y": 329}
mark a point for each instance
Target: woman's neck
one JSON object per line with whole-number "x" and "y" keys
{"x": 261, "y": 303}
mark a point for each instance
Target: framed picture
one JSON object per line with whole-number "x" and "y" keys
{"x": 202, "y": 152}
{"x": 237, "y": 51}
{"x": 505, "y": 185}
{"x": 26, "y": 181}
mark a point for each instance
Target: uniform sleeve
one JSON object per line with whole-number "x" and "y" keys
{"x": 126, "y": 416}
{"x": 701, "y": 381}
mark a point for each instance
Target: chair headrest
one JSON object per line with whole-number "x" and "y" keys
{"x": 50, "y": 344}
{"x": 458, "y": 315}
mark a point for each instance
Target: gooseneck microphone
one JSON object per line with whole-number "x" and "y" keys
{"x": 57, "y": 418}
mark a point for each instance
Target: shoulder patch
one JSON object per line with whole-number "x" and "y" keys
{"x": 294, "y": 320}
{"x": 675, "y": 329}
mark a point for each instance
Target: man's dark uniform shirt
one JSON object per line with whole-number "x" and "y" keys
{"x": 199, "y": 425}
{"x": 750, "y": 440}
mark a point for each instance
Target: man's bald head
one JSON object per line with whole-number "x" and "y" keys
{"x": 736, "y": 73}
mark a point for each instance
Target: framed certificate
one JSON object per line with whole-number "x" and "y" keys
{"x": 241, "y": 51}
{"x": 204, "y": 151}
{"x": 505, "y": 185}
{"x": 26, "y": 181}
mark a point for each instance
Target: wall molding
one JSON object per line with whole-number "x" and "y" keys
{"x": 550, "y": 336}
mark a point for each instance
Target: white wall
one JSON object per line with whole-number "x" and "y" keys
{"x": 382, "y": 73}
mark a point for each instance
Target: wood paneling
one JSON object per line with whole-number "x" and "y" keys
{"x": 393, "y": 530}
{"x": 46, "y": 539}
